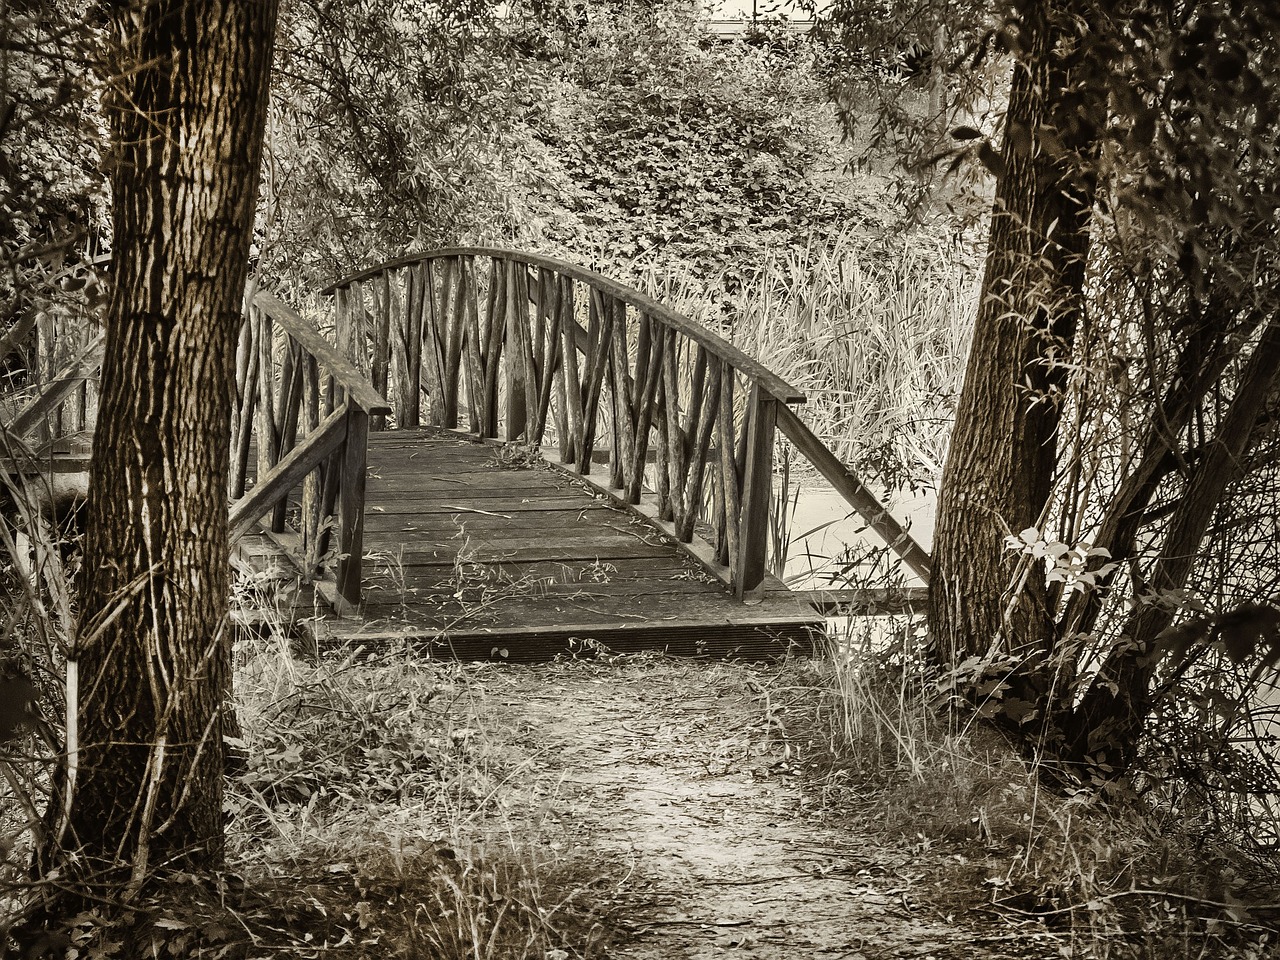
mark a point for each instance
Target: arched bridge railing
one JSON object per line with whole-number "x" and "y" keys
{"x": 504, "y": 345}
{"x": 299, "y": 432}
{"x": 527, "y": 348}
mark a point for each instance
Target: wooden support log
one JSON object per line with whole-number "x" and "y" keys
{"x": 757, "y": 494}
{"x": 351, "y": 505}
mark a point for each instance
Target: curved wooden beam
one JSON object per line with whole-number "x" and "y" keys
{"x": 714, "y": 343}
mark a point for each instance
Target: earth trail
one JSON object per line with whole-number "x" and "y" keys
{"x": 687, "y": 779}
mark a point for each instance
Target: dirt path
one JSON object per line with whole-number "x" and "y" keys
{"x": 689, "y": 776}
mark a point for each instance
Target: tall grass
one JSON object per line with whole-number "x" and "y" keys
{"x": 873, "y": 329}
{"x": 1097, "y": 875}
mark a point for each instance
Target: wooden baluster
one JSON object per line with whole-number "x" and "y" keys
{"x": 696, "y": 384}
{"x": 343, "y": 332}
{"x": 600, "y": 332}
{"x": 570, "y": 380}
{"x": 541, "y": 300}
{"x": 329, "y": 483}
{"x": 432, "y": 361}
{"x": 550, "y": 361}
{"x": 453, "y": 346}
{"x": 528, "y": 349}
{"x": 268, "y": 438}
{"x": 671, "y": 484}
{"x": 439, "y": 344}
{"x": 351, "y": 505}
{"x": 380, "y": 359}
{"x": 497, "y": 328}
{"x": 472, "y": 339}
{"x": 727, "y": 528}
{"x": 287, "y": 418}
{"x": 409, "y": 340}
{"x": 514, "y": 380}
{"x": 312, "y": 484}
{"x": 248, "y": 405}
{"x": 645, "y": 404}
{"x": 700, "y": 432}
{"x": 622, "y": 449}
{"x": 402, "y": 376}
{"x": 662, "y": 449}
{"x": 522, "y": 388}
{"x": 644, "y": 334}
{"x": 757, "y": 493}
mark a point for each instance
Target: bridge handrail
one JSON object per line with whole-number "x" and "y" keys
{"x": 307, "y": 409}
{"x": 716, "y": 344}
{"x": 689, "y": 420}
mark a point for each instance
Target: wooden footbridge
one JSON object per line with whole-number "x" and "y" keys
{"x": 502, "y": 454}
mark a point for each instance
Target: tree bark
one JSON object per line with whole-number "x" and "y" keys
{"x": 1003, "y": 449}
{"x": 187, "y": 105}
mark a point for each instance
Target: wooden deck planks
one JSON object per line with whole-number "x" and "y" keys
{"x": 474, "y": 551}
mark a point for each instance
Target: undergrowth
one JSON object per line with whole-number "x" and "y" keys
{"x": 372, "y": 817}
{"x": 1105, "y": 875}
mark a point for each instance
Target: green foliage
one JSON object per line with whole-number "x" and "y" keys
{"x": 684, "y": 153}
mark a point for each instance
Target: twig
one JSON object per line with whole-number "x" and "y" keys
{"x": 462, "y": 509}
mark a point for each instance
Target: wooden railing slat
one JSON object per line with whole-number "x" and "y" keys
{"x": 496, "y": 328}
{"x": 624, "y": 440}
{"x": 730, "y": 498}
{"x": 471, "y": 340}
{"x": 569, "y": 375}
{"x": 644, "y": 405}
{"x": 453, "y": 344}
{"x": 671, "y": 489}
{"x": 600, "y": 334}
{"x": 287, "y": 474}
{"x": 757, "y": 491}
{"x": 708, "y": 417}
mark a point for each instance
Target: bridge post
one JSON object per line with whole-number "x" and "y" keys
{"x": 757, "y": 489}
{"x": 351, "y": 505}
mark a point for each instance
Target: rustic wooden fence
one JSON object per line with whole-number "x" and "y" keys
{"x": 527, "y": 348}
{"x": 301, "y": 423}
{"x": 499, "y": 344}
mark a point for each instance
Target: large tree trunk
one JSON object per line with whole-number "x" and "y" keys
{"x": 187, "y": 104}
{"x": 1003, "y": 451}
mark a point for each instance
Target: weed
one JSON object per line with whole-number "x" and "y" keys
{"x": 1108, "y": 876}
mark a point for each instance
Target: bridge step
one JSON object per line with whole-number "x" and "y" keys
{"x": 475, "y": 554}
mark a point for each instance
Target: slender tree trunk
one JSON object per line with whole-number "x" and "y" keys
{"x": 1003, "y": 451}
{"x": 187, "y": 105}
{"x": 1104, "y": 730}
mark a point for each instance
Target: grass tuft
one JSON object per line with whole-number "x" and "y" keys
{"x": 1103, "y": 876}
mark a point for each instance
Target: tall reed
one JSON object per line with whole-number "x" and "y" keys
{"x": 873, "y": 329}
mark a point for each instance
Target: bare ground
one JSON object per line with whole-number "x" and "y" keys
{"x": 693, "y": 785}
